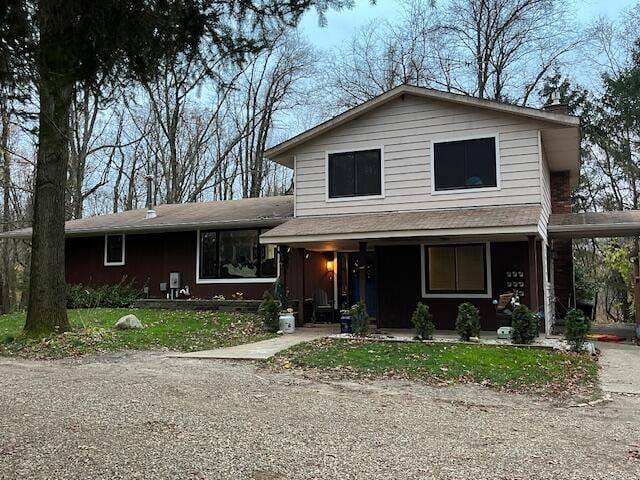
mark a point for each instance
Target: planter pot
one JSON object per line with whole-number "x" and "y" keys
{"x": 287, "y": 322}
{"x": 346, "y": 324}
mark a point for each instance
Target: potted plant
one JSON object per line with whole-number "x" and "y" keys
{"x": 346, "y": 321}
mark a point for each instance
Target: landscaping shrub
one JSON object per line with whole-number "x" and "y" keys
{"x": 360, "y": 319}
{"x": 120, "y": 295}
{"x": 524, "y": 325}
{"x": 578, "y": 327}
{"x": 423, "y": 322}
{"x": 468, "y": 321}
{"x": 270, "y": 311}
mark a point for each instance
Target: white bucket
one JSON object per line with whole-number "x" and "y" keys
{"x": 287, "y": 323}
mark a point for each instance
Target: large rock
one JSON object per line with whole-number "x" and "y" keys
{"x": 129, "y": 322}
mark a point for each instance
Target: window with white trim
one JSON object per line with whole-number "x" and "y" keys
{"x": 355, "y": 174}
{"x": 228, "y": 254}
{"x": 114, "y": 249}
{"x": 455, "y": 269}
{"x": 465, "y": 164}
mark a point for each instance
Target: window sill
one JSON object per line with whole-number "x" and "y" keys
{"x": 203, "y": 281}
{"x": 465, "y": 190}
{"x": 354, "y": 198}
{"x": 114, "y": 264}
{"x": 456, "y": 295}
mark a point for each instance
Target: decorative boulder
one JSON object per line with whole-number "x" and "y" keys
{"x": 129, "y": 322}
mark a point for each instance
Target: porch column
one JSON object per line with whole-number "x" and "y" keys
{"x": 546, "y": 289}
{"x": 362, "y": 272}
{"x": 534, "y": 303}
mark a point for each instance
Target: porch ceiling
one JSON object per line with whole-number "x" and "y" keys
{"x": 595, "y": 224}
{"x": 397, "y": 226}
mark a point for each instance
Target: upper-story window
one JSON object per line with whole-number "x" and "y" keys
{"x": 465, "y": 164}
{"x": 114, "y": 249}
{"x": 355, "y": 174}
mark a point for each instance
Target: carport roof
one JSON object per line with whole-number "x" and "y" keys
{"x": 594, "y": 224}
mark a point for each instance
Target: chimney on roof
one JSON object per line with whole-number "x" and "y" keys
{"x": 554, "y": 105}
{"x": 151, "y": 213}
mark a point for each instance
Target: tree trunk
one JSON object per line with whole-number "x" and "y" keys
{"x": 47, "y": 310}
{"x": 8, "y": 272}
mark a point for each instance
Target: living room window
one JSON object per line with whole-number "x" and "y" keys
{"x": 455, "y": 270}
{"x": 355, "y": 173}
{"x": 114, "y": 250}
{"x": 234, "y": 254}
{"x": 465, "y": 164}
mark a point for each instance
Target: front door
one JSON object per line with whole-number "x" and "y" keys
{"x": 349, "y": 281}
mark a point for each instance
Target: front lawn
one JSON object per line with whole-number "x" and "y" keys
{"x": 164, "y": 329}
{"x": 503, "y": 367}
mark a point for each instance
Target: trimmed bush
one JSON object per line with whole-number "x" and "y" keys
{"x": 120, "y": 295}
{"x": 423, "y": 322}
{"x": 468, "y": 321}
{"x": 270, "y": 311}
{"x": 360, "y": 319}
{"x": 578, "y": 327}
{"x": 524, "y": 325}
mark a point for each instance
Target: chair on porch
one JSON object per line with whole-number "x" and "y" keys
{"x": 322, "y": 309}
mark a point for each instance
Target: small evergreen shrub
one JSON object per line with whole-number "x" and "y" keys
{"x": 270, "y": 311}
{"x": 524, "y": 325}
{"x": 120, "y": 295}
{"x": 468, "y": 321}
{"x": 360, "y": 319}
{"x": 578, "y": 327}
{"x": 423, "y": 322}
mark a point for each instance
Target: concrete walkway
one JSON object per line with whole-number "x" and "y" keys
{"x": 264, "y": 349}
{"x": 620, "y": 367}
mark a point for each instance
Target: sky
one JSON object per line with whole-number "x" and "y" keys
{"x": 341, "y": 25}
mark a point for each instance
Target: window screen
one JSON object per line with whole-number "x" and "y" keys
{"x": 456, "y": 269}
{"x": 114, "y": 249}
{"x": 354, "y": 174}
{"x": 465, "y": 164}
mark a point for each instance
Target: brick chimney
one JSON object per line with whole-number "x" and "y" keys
{"x": 555, "y": 106}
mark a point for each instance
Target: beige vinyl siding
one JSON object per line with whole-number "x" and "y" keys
{"x": 404, "y": 129}
{"x": 545, "y": 185}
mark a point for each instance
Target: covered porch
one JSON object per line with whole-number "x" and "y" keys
{"x": 393, "y": 261}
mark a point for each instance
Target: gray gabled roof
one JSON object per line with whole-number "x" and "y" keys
{"x": 559, "y": 119}
{"x": 247, "y": 212}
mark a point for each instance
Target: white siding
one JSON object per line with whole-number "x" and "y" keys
{"x": 404, "y": 128}
{"x": 545, "y": 185}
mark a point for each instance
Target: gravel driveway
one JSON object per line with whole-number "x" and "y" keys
{"x": 145, "y": 416}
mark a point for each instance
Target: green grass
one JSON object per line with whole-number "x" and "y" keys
{"x": 503, "y": 367}
{"x": 164, "y": 329}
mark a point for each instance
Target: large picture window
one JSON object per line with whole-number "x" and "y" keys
{"x": 455, "y": 269}
{"x": 355, "y": 174}
{"x": 465, "y": 164}
{"x": 235, "y": 254}
{"x": 114, "y": 250}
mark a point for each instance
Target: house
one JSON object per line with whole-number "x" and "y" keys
{"x": 415, "y": 195}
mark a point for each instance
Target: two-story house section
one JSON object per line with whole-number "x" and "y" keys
{"x": 421, "y": 195}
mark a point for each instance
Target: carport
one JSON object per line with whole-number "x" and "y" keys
{"x": 565, "y": 227}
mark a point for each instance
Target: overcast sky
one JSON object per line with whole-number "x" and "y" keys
{"x": 343, "y": 24}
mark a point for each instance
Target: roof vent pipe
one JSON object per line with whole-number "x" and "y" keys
{"x": 151, "y": 213}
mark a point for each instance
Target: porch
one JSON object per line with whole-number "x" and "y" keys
{"x": 391, "y": 277}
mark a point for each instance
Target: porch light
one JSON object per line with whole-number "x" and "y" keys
{"x": 329, "y": 266}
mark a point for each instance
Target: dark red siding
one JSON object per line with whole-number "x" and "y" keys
{"x": 149, "y": 258}
{"x": 399, "y": 286}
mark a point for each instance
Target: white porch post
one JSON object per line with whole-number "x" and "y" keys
{"x": 547, "y": 290}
